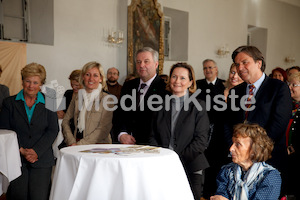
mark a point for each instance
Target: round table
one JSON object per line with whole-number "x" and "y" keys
{"x": 10, "y": 161}
{"x": 137, "y": 176}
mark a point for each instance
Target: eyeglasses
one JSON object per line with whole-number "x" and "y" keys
{"x": 293, "y": 85}
{"x": 206, "y": 68}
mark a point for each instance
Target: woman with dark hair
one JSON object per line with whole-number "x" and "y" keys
{"x": 184, "y": 126}
{"x": 248, "y": 177}
{"x": 279, "y": 73}
{"x": 76, "y": 86}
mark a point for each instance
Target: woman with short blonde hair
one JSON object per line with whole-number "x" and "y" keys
{"x": 292, "y": 136}
{"x": 36, "y": 128}
{"x": 92, "y": 121}
{"x": 97, "y": 65}
{"x": 34, "y": 69}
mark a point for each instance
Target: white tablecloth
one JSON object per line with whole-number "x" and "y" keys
{"x": 58, "y": 140}
{"x": 139, "y": 176}
{"x": 10, "y": 161}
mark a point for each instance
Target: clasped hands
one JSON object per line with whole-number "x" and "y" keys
{"x": 29, "y": 154}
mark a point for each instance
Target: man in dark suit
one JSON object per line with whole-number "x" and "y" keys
{"x": 133, "y": 126}
{"x": 211, "y": 81}
{"x": 211, "y": 86}
{"x": 270, "y": 105}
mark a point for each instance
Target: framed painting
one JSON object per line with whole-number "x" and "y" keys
{"x": 145, "y": 29}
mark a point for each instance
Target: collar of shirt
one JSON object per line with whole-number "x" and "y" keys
{"x": 148, "y": 83}
{"x": 40, "y": 97}
{"x": 213, "y": 82}
{"x": 29, "y": 112}
{"x": 257, "y": 84}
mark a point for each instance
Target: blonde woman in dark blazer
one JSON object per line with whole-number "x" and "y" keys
{"x": 184, "y": 130}
{"x": 92, "y": 121}
{"x": 36, "y": 128}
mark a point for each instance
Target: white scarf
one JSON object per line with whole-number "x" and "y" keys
{"x": 242, "y": 187}
{"x": 85, "y": 102}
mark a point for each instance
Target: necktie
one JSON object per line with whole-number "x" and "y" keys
{"x": 248, "y": 104}
{"x": 141, "y": 92}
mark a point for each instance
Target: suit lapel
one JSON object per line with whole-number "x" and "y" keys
{"x": 181, "y": 117}
{"x": 167, "y": 117}
{"x": 242, "y": 92}
{"x": 259, "y": 96}
{"x": 37, "y": 112}
{"x": 21, "y": 109}
{"x": 152, "y": 89}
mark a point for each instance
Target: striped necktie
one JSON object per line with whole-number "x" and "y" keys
{"x": 248, "y": 104}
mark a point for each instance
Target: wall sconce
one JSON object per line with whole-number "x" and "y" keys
{"x": 289, "y": 60}
{"x": 115, "y": 38}
{"x": 223, "y": 51}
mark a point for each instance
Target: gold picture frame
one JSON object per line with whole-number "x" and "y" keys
{"x": 145, "y": 29}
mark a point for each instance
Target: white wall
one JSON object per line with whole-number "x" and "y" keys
{"x": 80, "y": 27}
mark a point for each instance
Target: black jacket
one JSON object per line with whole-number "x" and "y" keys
{"x": 190, "y": 135}
{"x": 137, "y": 122}
{"x": 39, "y": 134}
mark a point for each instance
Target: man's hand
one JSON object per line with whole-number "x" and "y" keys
{"x": 127, "y": 139}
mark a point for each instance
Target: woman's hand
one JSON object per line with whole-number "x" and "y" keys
{"x": 29, "y": 154}
{"x": 218, "y": 197}
{"x": 60, "y": 114}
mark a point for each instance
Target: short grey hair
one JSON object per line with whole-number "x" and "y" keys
{"x": 148, "y": 49}
{"x": 209, "y": 60}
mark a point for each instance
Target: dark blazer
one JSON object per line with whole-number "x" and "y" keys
{"x": 190, "y": 136}
{"x": 39, "y": 134}
{"x": 217, "y": 89}
{"x": 4, "y": 92}
{"x": 295, "y": 130}
{"x": 293, "y": 159}
{"x": 68, "y": 94}
{"x": 138, "y": 122}
{"x": 272, "y": 111}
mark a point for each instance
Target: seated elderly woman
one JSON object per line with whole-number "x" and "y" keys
{"x": 248, "y": 177}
